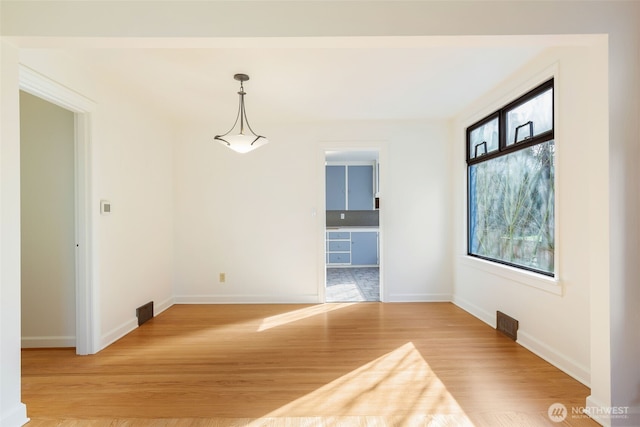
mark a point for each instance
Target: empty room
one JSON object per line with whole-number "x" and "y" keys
{"x": 479, "y": 220}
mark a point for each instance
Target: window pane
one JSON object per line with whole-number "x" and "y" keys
{"x": 531, "y": 118}
{"x": 483, "y": 139}
{"x": 511, "y": 208}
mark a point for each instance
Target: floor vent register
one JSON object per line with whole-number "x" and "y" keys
{"x": 507, "y": 325}
{"x": 144, "y": 313}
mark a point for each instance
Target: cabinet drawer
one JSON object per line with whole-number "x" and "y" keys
{"x": 339, "y": 258}
{"x": 339, "y": 245}
{"x": 339, "y": 235}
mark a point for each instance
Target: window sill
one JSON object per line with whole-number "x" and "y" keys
{"x": 528, "y": 278}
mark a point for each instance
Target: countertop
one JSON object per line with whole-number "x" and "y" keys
{"x": 353, "y": 228}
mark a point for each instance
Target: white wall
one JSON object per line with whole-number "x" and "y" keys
{"x": 252, "y": 216}
{"x": 131, "y": 166}
{"x": 132, "y": 159}
{"x": 614, "y": 298}
{"x": 624, "y": 152}
{"x": 12, "y": 411}
{"x": 47, "y": 214}
{"x": 247, "y": 216}
{"x": 562, "y": 334}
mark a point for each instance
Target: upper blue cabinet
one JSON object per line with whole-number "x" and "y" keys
{"x": 349, "y": 187}
{"x": 360, "y": 188}
{"x": 336, "y": 188}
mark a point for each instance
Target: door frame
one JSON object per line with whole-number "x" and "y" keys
{"x": 323, "y": 147}
{"x": 36, "y": 84}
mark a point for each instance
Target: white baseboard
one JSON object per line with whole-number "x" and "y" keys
{"x": 418, "y": 298}
{"x": 557, "y": 359}
{"x": 537, "y": 347}
{"x": 130, "y": 325}
{"x": 592, "y": 403}
{"x": 485, "y": 316}
{"x": 48, "y": 342}
{"x": 609, "y": 415}
{"x": 245, "y": 299}
{"x": 117, "y": 333}
{"x": 162, "y": 306}
{"x": 14, "y": 417}
{"x": 295, "y": 299}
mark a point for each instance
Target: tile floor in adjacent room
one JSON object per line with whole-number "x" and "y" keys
{"x": 353, "y": 284}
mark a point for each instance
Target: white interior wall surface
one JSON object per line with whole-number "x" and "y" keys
{"x": 138, "y": 256}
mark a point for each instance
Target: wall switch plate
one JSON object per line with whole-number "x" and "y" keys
{"x": 105, "y": 207}
{"x": 342, "y": 215}
{"x": 222, "y": 277}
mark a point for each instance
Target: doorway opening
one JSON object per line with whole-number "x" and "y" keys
{"x": 352, "y": 227}
{"x": 86, "y": 316}
{"x": 47, "y": 218}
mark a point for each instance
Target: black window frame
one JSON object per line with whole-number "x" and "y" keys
{"x": 504, "y": 149}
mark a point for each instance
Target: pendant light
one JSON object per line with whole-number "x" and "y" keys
{"x": 240, "y": 141}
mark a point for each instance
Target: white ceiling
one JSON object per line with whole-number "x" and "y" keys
{"x": 311, "y": 80}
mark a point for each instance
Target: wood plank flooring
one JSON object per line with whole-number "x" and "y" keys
{"x": 366, "y": 364}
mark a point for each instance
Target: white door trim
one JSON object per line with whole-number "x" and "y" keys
{"x": 41, "y": 86}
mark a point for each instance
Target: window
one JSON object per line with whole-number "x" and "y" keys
{"x": 510, "y": 179}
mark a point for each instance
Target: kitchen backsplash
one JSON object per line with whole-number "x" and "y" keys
{"x": 353, "y": 218}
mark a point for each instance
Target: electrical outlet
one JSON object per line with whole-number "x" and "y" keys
{"x": 223, "y": 277}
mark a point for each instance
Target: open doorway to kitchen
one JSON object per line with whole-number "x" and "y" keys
{"x": 352, "y": 228}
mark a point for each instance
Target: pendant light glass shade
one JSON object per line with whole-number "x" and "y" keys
{"x": 240, "y": 140}
{"x": 242, "y": 143}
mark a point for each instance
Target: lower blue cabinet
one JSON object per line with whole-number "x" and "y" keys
{"x": 339, "y": 258}
{"x": 352, "y": 248}
{"x": 364, "y": 248}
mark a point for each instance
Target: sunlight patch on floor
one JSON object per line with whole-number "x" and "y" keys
{"x": 399, "y": 384}
{"x": 303, "y": 313}
{"x": 344, "y": 292}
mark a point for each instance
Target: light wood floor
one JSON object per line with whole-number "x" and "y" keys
{"x": 366, "y": 364}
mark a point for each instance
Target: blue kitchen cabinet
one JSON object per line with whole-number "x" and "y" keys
{"x": 349, "y": 187}
{"x": 360, "y": 188}
{"x": 340, "y": 258}
{"x": 364, "y": 248}
{"x": 354, "y": 248}
{"x": 336, "y": 188}
{"x": 339, "y": 235}
{"x": 338, "y": 246}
